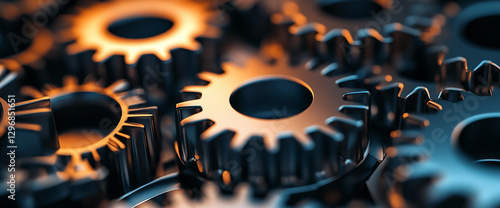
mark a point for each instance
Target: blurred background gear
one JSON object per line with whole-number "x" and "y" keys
{"x": 157, "y": 45}
{"x": 107, "y": 126}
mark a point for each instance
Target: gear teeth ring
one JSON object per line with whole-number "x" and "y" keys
{"x": 144, "y": 58}
{"x": 304, "y": 145}
{"x": 446, "y": 139}
{"x": 126, "y": 140}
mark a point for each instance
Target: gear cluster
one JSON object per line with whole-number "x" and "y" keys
{"x": 225, "y": 103}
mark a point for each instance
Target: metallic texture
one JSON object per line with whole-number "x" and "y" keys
{"x": 445, "y": 154}
{"x": 107, "y": 126}
{"x": 238, "y": 133}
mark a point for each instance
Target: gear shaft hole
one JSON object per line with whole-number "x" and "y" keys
{"x": 354, "y": 9}
{"x": 140, "y": 27}
{"x": 274, "y": 98}
{"x": 483, "y": 31}
{"x": 480, "y": 139}
{"x": 83, "y": 118}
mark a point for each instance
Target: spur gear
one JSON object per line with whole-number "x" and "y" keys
{"x": 25, "y": 127}
{"x": 107, "y": 126}
{"x": 271, "y": 124}
{"x": 147, "y": 43}
{"x": 435, "y": 153}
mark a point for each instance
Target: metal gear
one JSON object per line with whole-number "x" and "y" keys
{"x": 107, "y": 126}
{"x": 167, "y": 43}
{"x": 32, "y": 132}
{"x": 295, "y": 136}
{"x": 434, "y": 152}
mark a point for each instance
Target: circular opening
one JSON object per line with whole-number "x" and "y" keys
{"x": 482, "y": 31}
{"x": 83, "y": 118}
{"x": 352, "y": 8}
{"x": 480, "y": 140}
{"x": 140, "y": 27}
{"x": 273, "y": 98}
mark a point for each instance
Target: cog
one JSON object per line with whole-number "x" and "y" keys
{"x": 245, "y": 112}
{"x": 130, "y": 35}
{"x": 434, "y": 152}
{"x": 107, "y": 126}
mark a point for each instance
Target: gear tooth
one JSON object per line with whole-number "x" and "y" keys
{"x": 355, "y": 136}
{"x": 212, "y": 132}
{"x": 118, "y": 86}
{"x": 452, "y": 95}
{"x": 371, "y": 46}
{"x": 406, "y": 137}
{"x": 338, "y": 46}
{"x": 239, "y": 140}
{"x": 331, "y": 70}
{"x": 356, "y": 111}
{"x": 484, "y": 77}
{"x": 195, "y": 118}
{"x": 362, "y": 97}
{"x": 209, "y": 76}
{"x": 417, "y": 100}
{"x": 291, "y": 154}
{"x": 193, "y": 88}
{"x": 412, "y": 121}
{"x": 409, "y": 153}
{"x": 303, "y": 41}
{"x": 454, "y": 70}
{"x": 348, "y": 82}
{"x": 189, "y": 104}
{"x": 403, "y": 40}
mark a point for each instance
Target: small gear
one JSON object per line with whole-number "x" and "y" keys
{"x": 271, "y": 124}
{"x": 107, "y": 126}
{"x": 434, "y": 152}
{"x": 145, "y": 43}
{"x": 25, "y": 127}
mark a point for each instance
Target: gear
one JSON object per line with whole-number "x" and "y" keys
{"x": 250, "y": 127}
{"x": 31, "y": 132}
{"x": 107, "y": 126}
{"x": 434, "y": 152}
{"x": 130, "y": 35}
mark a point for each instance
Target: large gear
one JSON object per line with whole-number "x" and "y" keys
{"x": 107, "y": 126}
{"x": 242, "y": 112}
{"x": 142, "y": 42}
{"x": 434, "y": 152}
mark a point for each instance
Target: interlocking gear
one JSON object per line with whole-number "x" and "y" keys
{"x": 107, "y": 126}
{"x": 271, "y": 124}
{"x": 124, "y": 35}
{"x": 434, "y": 153}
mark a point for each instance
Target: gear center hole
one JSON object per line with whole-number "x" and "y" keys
{"x": 354, "y": 9}
{"x": 480, "y": 139}
{"x": 272, "y": 98}
{"x": 483, "y": 32}
{"x": 140, "y": 27}
{"x": 84, "y": 118}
